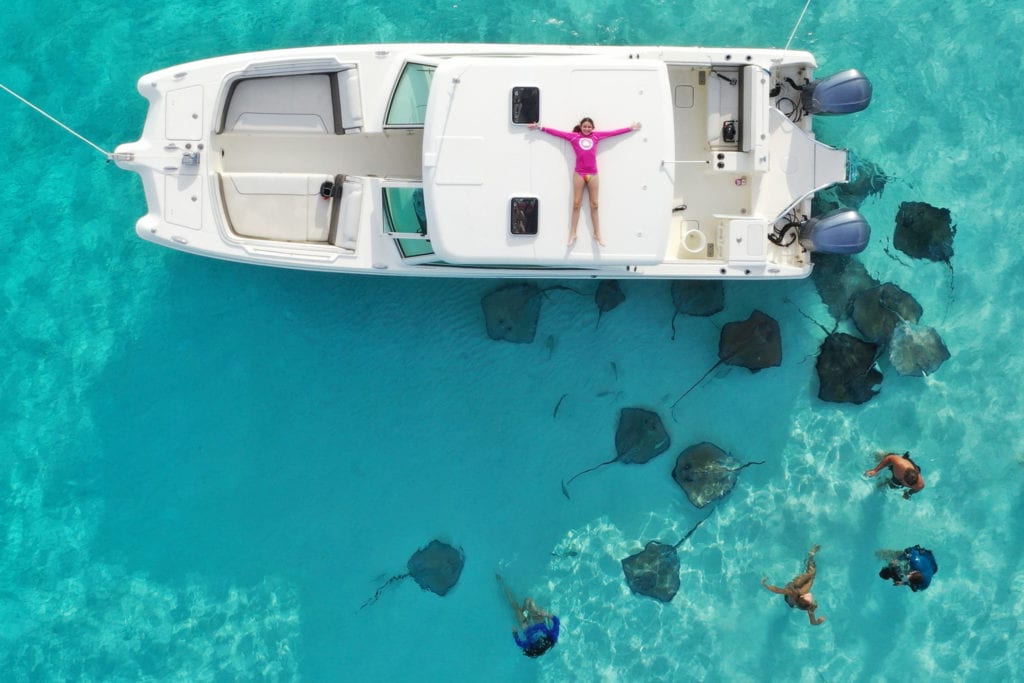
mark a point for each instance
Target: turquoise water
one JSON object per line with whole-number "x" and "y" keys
{"x": 209, "y": 467}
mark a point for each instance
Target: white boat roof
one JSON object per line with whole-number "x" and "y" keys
{"x": 476, "y": 160}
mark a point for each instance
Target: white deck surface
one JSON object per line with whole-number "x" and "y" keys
{"x": 471, "y": 176}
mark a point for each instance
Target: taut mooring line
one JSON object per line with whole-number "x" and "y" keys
{"x": 18, "y": 97}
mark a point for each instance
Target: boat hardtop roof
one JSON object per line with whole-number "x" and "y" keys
{"x": 476, "y": 160}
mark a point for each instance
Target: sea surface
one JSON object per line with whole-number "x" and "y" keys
{"x": 207, "y": 468}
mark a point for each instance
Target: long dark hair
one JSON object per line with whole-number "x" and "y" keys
{"x": 538, "y": 646}
{"x": 577, "y": 129}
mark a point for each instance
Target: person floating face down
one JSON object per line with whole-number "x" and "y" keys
{"x": 798, "y": 591}
{"x": 905, "y": 473}
{"x": 583, "y": 139}
{"x": 914, "y": 567}
{"x": 536, "y": 631}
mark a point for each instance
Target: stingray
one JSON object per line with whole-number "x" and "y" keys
{"x": 877, "y": 312}
{"x": 924, "y": 231}
{"x": 654, "y": 571}
{"x": 866, "y": 179}
{"x": 639, "y": 437}
{"x": 436, "y": 568}
{"x": 706, "y": 473}
{"x": 839, "y": 278}
{"x": 696, "y": 297}
{"x": 753, "y": 343}
{"x": 511, "y": 313}
{"x": 608, "y": 296}
{"x": 846, "y": 369}
{"x": 917, "y": 350}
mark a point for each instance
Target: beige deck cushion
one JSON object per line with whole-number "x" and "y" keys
{"x": 277, "y": 206}
{"x": 282, "y": 104}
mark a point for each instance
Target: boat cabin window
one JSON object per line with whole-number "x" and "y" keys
{"x": 406, "y": 220}
{"x": 408, "y": 107}
{"x": 525, "y": 104}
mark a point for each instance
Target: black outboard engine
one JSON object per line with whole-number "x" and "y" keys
{"x": 843, "y": 93}
{"x": 840, "y": 231}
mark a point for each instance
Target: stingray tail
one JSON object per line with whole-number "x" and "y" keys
{"x": 694, "y": 385}
{"x": 380, "y": 590}
{"x": 558, "y": 405}
{"x": 695, "y": 527}
{"x": 752, "y": 462}
{"x": 801, "y": 312}
{"x": 565, "y": 484}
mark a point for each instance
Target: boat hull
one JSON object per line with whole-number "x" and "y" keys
{"x": 409, "y": 159}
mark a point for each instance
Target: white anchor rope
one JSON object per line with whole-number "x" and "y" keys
{"x": 83, "y": 139}
{"x": 797, "y": 25}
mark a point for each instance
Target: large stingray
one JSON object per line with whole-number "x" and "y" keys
{"x": 917, "y": 350}
{"x": 511, "y": 312}
{"x": 706, "y": 473}
{"x": 654, "y": 571}
{"x": 839, "y": 278}
{"x": 436, "y": 568}
{"x": 639, "y": 437}
{"x": 879, "y": 310}
{"x": 753, "y": 343}
{"x": 846, "y": 369}
{"x": 924, "y": 231}
{"x": 696, "y": 297}
{"x": 608, "y": 296}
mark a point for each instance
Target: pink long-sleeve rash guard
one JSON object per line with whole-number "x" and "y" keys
{"x": 585, "y": 146}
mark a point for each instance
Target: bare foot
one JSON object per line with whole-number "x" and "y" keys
{"x": 572, "y": 240}
{"x": 598, "y": 239}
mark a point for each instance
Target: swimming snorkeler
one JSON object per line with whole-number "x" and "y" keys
{"x": 913, "y": 567}
{"x": 583, "y": 140}
{"x": 532, "y": 631}
{"x": 905, "y": 472}
{"x": 798, "y": 591}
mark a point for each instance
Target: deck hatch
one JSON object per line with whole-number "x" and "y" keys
{"x": 523, "y": 215}
{"x": 525, "y": 104}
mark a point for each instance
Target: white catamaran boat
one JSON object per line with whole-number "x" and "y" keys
{"x": 416, "y": 159}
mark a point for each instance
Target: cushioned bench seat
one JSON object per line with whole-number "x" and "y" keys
{"x": 282, "y": 104}
{"x": 328, "y": 103}
{"x": 277, "y": 206}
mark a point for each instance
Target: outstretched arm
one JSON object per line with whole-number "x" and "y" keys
{"x": 602, "y": 134}
{"x": 814, "y": 622}
{"x": 551, "y": 131}
{"x": 773, "y": 589}
{"x": 882, "y": 464}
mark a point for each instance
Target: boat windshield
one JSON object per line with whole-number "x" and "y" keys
{"x": 406, "y": 220}
{"x": 408, "y": 107}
